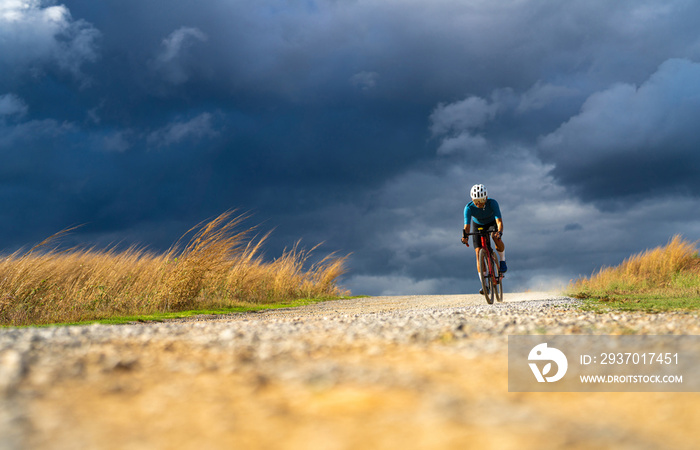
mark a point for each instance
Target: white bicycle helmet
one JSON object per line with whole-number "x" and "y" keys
{"x": 479, "y": 192}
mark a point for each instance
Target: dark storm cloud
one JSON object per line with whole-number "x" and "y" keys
{"x": 625, "y": 142}
{"x": 633, "y": 140}
{"x": 361, "y": 124}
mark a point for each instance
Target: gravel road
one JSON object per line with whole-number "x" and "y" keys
{"x": 381, "y": 372}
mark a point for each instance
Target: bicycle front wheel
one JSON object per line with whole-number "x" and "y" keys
{"x": 485, "y": 276}
{"x": 496, "y": 280}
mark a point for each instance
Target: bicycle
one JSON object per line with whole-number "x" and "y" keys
{"x": 488, "y": 266}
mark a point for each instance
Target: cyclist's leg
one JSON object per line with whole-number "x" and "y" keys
{"x": 500, "y": 247}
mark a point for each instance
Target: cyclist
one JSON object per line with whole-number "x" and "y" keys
{"x": 485, "y": 212}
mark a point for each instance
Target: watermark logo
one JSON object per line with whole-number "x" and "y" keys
{"x": 541, "y": 352}
{"x": 603, "y": 363}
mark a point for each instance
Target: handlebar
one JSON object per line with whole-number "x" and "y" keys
{"x": 480, "y": 233}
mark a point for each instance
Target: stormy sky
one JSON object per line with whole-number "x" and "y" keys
{"x": 358, "y": 123}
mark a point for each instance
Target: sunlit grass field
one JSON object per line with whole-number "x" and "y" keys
{"x": 219, "y": 267}
{"x": 659, "y": 279}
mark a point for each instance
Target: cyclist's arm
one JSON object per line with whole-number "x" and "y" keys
{"x": 467, "y": 223}
{"x": 465, "y": 237}
{"x": 499, "y": 225}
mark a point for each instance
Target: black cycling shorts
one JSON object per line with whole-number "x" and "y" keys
{"x": 476, "y": 239}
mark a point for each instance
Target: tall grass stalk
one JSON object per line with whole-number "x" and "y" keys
{"x": 672, "y": 270}
{"x": 218, "y": 267}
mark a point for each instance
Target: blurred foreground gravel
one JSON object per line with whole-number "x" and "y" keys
{"x": 381, "y": 372}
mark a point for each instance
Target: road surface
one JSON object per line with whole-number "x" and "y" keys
{"x": 402, "y": 372}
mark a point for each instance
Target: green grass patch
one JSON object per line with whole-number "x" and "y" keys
{"x": 650, "y": 303}
{"x": 164, "y": 316}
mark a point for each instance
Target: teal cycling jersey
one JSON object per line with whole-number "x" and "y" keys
{"x": 484, "y": 216}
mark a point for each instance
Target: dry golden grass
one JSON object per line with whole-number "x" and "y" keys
{"x": 218, "y": 267}
{"x": 673, "y": 269}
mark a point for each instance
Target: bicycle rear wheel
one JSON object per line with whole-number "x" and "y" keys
{"x": 484, "y": 276}
{"x": 496, "y": 279}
